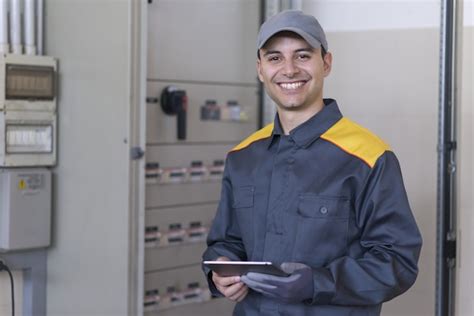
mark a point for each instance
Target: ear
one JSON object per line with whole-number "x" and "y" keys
{"x": 259, "y": 70}
{"x": 327, "y": 64}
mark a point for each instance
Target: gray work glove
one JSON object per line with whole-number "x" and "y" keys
{"x": 295, "y": 288}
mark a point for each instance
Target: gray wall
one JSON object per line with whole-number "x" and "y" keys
{"x": 385, "y": 77}
{"x": 5, "y": 293}
{"x": 87, "y": 263}
{"x": 377, "y": 84}
{"x": 465, "y": 286}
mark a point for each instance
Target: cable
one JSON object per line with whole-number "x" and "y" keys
{"x": 3, "y": 266}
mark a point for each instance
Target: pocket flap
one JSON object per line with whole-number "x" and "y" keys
{"x": 317, "y": 206}
{"x": 243, "y": 196}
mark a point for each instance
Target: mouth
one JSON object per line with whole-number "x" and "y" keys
{"x": 291, "y": 86}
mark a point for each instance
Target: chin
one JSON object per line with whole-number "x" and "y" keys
{"x": 291, "y": 107}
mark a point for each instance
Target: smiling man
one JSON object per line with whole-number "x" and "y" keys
{"x": 314, "y": 192}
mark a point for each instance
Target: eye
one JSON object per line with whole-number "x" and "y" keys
{"x": 304, "y": 57}
{"x": 273, "y": 59}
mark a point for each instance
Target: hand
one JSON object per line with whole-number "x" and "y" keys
{"x": 296, "y": 287}
{"x": 231, "y": 287}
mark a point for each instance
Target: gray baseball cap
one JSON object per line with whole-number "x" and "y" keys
{"x": 295, "y": 21}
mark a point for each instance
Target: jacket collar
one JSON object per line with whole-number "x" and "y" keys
{"x": 307, "y": 132}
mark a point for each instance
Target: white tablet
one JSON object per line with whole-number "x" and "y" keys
{"x": 233, "y": 268}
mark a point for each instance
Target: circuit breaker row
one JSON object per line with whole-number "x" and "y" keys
{"x": 182, "y": 192}
{"x": 175, "y": 236}
{"x": 173, "y": 254}
{"x": 173, "y": 292}
{"x": 197, "y": 171}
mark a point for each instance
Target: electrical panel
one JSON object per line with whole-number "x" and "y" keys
{"x": 25, "y": 208}
{"x": 199, "y": 106}
{"x": 28, "y": 109}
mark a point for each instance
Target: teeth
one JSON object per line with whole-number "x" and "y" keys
{"x": 291, "y": 86}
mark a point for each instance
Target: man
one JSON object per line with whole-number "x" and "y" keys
{"x": 313, "y": 191}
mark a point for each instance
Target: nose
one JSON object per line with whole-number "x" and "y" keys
{"x": 290, "y": 69}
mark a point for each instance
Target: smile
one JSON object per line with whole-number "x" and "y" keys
{"x": 291, "y": 85}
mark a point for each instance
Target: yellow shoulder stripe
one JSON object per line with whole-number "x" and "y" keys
{"x": 260, "y": 134}
{"x": 356, "y": 140}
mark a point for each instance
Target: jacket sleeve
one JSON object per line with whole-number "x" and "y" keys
{"x": 224, "y": 236}
{"x": 390, "y": 240}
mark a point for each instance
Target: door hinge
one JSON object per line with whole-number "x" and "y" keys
{"x": 450, "y": 249}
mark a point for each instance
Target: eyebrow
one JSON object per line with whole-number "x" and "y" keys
{"x": 304, "y": 49}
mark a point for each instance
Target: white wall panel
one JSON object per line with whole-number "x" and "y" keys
{"x": 385, "y": 77}
{"x": 465, "y": 285}
{"x": 468, "y": 14}
{"x": 387, "y": 80}
{"x": 363, "y": 15}
{"x": 88, "y": 260}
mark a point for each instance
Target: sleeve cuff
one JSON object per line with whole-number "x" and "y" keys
{"x": 324, "y": 287}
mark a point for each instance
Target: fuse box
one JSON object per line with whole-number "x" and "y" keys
{"x": 25, "y": 208}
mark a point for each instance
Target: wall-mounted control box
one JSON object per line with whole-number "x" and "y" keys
{"x": 25, "y": 208}
{"x": 28, "y": 107}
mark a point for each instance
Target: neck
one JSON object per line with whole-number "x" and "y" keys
{"x": 292, "y": 119}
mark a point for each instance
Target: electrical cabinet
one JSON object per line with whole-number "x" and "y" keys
{"x": 25, "y": 208}
{"x": 202, "y": 100}
{"x": 28, "y": 120}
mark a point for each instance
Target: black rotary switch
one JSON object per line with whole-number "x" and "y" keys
{"x": 174, "y": 101}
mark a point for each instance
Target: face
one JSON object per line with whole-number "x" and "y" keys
{"x": 293, "y": 72}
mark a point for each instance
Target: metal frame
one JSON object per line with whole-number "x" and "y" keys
{"x": 137, "y": 138}
{"x": 446, "y": 195}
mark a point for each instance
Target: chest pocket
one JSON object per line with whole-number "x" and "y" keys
{"x": 243, "y": 197}
{"x": 322, "y": 228}
{"x": 243, "y": 210}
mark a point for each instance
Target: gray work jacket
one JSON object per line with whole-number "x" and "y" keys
{"x": 330, "y": 195}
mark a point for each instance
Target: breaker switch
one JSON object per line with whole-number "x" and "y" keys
{"x": 197, "y": 232}
{"x": 216, "y": 170}
{"x": 197, "y": 172}
{"x": 176, "y": 233}
{"x": 174, "y": 101}
{"x": 152, "y": 299}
